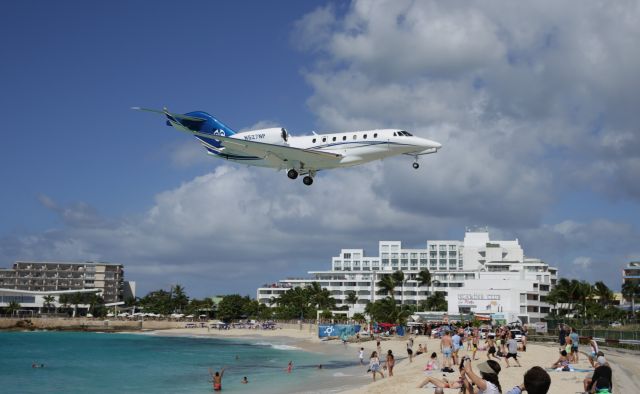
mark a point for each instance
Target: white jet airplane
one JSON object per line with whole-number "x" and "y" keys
{"x": 304, "y": 155}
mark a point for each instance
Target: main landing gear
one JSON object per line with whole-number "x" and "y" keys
{"x": 307, "y": 180}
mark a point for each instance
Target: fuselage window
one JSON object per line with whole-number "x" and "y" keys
{"x": 344, "y": 137}
{"x": 313, "y": 141}
{"x": 324, "y": 139}
{"x": 355, "y": 136}
{"x": 334, "y": 138}
{"x": 364, "y": 136}
{"x": 375, "y": 135}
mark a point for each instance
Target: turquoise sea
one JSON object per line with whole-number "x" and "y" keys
{"x": 81, "y": 362}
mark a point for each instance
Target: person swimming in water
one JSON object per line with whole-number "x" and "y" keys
{"x": 216, "y": 379}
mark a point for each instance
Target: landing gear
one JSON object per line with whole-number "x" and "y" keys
{"x": 416, "y": 165}
{"x": 292, "y": 174}
{"x": 307, "y": 180}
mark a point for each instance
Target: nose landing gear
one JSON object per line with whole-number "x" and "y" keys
{"x": 416, "y": 165}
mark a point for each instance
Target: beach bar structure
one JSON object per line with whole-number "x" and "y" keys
{"x": 476, "y": 263}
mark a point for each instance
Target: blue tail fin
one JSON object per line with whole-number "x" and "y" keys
{"x": 201, "y": 122}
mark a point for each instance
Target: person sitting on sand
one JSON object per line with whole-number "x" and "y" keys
{"x": 601, "y": 380}
{"x": 442, "y": 383}
{"x": 374, "y": 365}
{"x": 432, "y": 365}
{"x": 536, "y": 381}
{"x": 563, "y": 362}
{"x": 420, "y": 350}
{"x": 216, "y": 379}
{"x": 487, "y": 382}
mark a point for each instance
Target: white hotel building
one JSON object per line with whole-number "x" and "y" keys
{"x": 477, "y": 275}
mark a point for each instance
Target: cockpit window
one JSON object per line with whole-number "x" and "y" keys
{"x": 405, "y": 133}
{"x": 394, "y": 134}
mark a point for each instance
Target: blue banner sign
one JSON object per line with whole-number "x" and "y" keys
{"x": 338, "y": 330}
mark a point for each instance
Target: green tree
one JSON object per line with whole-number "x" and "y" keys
{"x": 48, "y": 301}
{"x": 351, "y": 298}
{"x": 233, "y": 307}
{"x": 631, "y": 291}
{"x": 179, "y": 299}
{"x": 13, "y": 307}
{"x": 359, "y": 317}
{"x": 387, "y": 286}
{"x": 399, "y": 278}
{"x": 603, "y": 292}
{"x": 435, "y": 302}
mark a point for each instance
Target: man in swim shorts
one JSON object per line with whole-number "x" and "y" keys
{"x": 216, "y": 379}
{"x": 445, "y": 348}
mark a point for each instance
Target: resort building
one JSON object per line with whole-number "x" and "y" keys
{"x": 28, "y": 282}
{"x": 468, "y": 272}
{"x": 631, "y": 273}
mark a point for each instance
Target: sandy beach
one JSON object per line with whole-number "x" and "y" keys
{"x": 408, "y": 375}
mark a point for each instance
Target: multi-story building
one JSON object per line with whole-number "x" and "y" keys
{"x": 631, "y": 273}
{"x": 457, "y": 267}
{"x": 55, "y": 277}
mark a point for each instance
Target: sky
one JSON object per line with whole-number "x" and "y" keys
{"x": 535, "y": 103}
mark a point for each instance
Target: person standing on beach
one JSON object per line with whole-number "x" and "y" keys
{"x": 374, "y": 365}
{"x": 474, "y": 344}
{"x": 410, "y": 350}
{"x": 216, "y": 379}
{"x": 594, "y": 351}
{"x": 445, "y": 348}
{"x": 562, "y": 335}
{"x": 457, "y": 345}
{"x": 512, "y": 351}
{"x": 361, "y": 356}
{"x": 575, "y": 341}
{"x": 491, "y": 347}
{"x": 391, "y": 362}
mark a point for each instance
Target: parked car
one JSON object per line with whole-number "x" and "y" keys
{"x": 615, "y": 324}
{"x": 517, "y": 334}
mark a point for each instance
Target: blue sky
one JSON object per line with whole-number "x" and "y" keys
{"x": 543, "y": 149}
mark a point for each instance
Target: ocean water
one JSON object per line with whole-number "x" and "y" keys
{"x": 80, "y": 362}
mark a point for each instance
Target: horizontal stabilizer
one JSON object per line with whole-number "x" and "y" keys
{"x": 164, "y": 111}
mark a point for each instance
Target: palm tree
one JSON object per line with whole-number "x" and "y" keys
{"x": 581, "y": 291}
{"x": 13, "y": 307}
{"x": 352, "y": 298}
{"x": 436, "y": 302}
{"x": 387, "y": 285}
{"x": 603, "y": 292}
{"x": 424, "y": 278}
{"x": 631, "y": 290}
{"x": 398, "y": 277}
{"x": 48, "y": 301}
{"x": 179, "y": 298}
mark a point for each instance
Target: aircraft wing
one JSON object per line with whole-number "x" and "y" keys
{"x": 280, "y": 155}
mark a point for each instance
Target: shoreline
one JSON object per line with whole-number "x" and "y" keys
{"x": 407, "y": 375}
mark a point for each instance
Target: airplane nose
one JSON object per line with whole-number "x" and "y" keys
{"x": 437, "y": 145}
